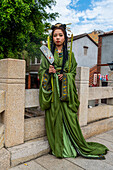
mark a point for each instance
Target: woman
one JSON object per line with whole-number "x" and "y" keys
{"x": 58, "y": 97}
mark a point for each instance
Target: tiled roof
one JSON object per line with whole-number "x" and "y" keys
{"x": 107, "y": 33}
{"x": 83, "y": 35}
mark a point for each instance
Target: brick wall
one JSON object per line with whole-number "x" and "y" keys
{"x": 92, "y": 71}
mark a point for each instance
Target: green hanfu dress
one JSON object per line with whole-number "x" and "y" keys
{"x": 60, "y": 102}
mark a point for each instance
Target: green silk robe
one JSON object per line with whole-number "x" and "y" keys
{"x": 61, "y": 104}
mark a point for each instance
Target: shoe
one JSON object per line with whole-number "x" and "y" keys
{"x": 101, "y": 157}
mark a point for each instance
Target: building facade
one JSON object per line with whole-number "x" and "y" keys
{"x": 85, "y": 50}
{"x": 105, "y": 53}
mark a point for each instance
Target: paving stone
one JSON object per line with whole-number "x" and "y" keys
{"x": 109, "y": 158}
{"x": 50, "y": 162}
{"x": 106, "y": 136}
{"x": 102, "y": 141}
{"x": 91, "y": 164}
{"x": 32, "y": 165}
{"x": 110, "y": 132}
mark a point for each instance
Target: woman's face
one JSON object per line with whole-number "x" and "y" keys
{"x": 58, "y": 37}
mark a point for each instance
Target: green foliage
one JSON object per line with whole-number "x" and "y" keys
{"x": 22, "y": 26}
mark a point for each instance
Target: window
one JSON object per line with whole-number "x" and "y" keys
{"x": 85, "y": 50}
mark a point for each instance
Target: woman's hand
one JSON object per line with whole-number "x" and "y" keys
{"x": 51, "y": 69}
{"x": 60, "y": 76}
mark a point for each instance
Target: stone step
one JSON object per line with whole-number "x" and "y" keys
{"x": 4, "y": 159}
{"x": 28, "y": 151}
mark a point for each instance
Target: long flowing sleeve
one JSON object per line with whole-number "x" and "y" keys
{"x": 69, "y": 91}
{"x": 45, "y": 85}
{"x": 72, "y": 91}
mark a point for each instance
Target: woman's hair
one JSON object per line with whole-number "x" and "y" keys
{"x": 65, "y": 51}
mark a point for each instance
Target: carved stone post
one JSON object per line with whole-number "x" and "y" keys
{"x": 12, "y": 81}
{"x": 82, "y": 84}
{"x": 110, "y": 83}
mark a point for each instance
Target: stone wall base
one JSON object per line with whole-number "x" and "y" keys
{"x": 97, "y": 127}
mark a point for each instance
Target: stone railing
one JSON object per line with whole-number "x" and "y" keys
{"x": 12, "y": 91}
{"x": 85, "y": 93}
{"x": 15, "y": 130}
{"x": 102, "y": 110}
{"x": 82, "y": 85}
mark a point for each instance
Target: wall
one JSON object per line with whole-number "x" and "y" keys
{"x": 83, "y": 60}
{"x": 106, "y": 52}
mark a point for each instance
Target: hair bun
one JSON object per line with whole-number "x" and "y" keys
{"x": 58, "y": 25}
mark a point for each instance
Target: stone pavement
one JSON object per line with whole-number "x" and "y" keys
{"x": 50, "y": 162}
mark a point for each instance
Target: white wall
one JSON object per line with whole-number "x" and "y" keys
{"x": 88, "y": 60}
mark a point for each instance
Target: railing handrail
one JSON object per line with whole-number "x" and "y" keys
{"x": 94, "y": 93}
{"x": 31, "y": 98}
{"x": 100, "y": 93}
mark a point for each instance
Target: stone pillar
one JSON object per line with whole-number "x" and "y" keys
{"x": 12, "y": 81}
{"x": 82, "y": 84}
{"x": 110, "y": 83}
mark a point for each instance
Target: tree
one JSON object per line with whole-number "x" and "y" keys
{"x": 22, "y": 26}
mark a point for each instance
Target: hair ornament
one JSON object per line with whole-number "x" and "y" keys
{"x": 58, "y": 25}
{"x": 69, "y": 24}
